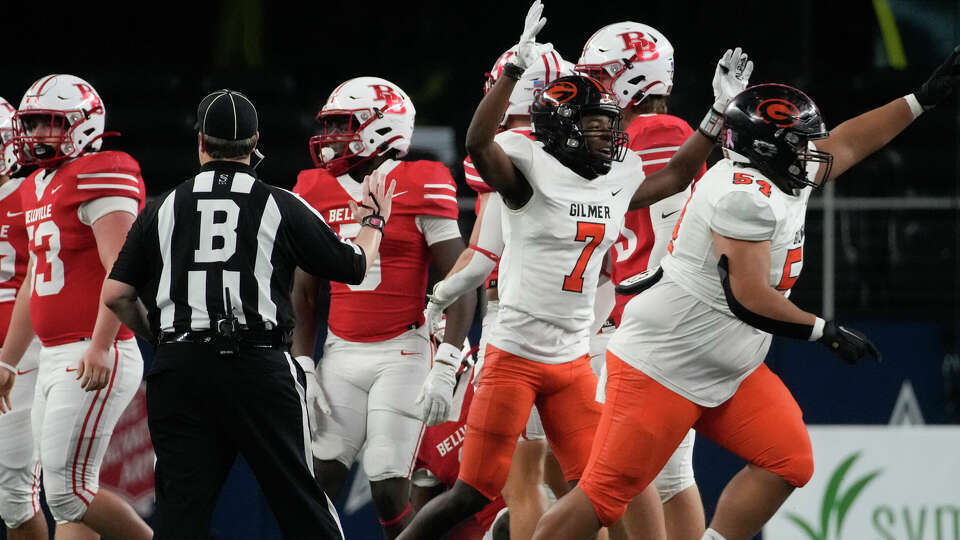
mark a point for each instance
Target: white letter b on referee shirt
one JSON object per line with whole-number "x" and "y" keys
{"x": 211, "y": 228}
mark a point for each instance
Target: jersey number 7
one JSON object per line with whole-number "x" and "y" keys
{"x": 592, "y": 234}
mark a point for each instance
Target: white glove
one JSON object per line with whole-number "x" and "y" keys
{"x": 731, "y": 78}
{"x": 316, "y": 400}
{"x": 437, "y": 303}
{"x": 436, "y": 395}
{"x": 528, "y": 51}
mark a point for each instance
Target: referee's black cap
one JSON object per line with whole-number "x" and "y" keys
{"x": 227, "y": 114}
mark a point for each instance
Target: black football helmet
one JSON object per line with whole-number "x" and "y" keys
{"x": 557, "y": 113}
{"x": 769, "y": 125}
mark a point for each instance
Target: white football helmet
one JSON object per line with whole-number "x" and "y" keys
{"x": 636, "y": 61}
{"x": 8, "y": 161}
{"x": 534, "y": 79}
{"x": 73, "y": 114}
{"x": 363, "y": 118}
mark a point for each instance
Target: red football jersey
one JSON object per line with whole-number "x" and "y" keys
{"x": 440, "y": 454}
{"x": 67, "y": 272}
{"x": 655, "y": 137}
{"x": 475, "y": 181}
{"x": 13, "y": 250}
{"x": 391, "y": 298}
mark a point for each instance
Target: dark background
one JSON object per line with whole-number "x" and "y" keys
{"x": 153, "y": 62}
{"x": 897, "y": 270}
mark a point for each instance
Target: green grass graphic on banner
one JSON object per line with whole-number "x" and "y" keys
{"x": 836, "y": 503}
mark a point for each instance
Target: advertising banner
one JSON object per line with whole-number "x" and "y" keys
{"x": 876, "y": 483}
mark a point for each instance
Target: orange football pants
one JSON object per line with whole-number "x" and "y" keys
{"x": 643, "y": 422}
{"x": 509, "y": 386}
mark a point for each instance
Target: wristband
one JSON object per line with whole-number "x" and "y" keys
{"x": 915, "y": 107}
{"x": 513, "y": 71}
{"x": 711, "y": 124}
{"x": 8, "y": 367}
{"x": 448, "y": 354}
{"x": 374, "y": 221}
{"x": 817, "y": 331}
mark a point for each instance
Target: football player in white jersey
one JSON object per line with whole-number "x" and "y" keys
{"x": 564, "y": 197}
{"x": 636, "y": 63}
{"x": 523, "y": 492}
{"x": 690, "y": 350}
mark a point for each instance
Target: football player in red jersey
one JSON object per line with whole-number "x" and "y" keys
{"x": 477, "y": 265}
{"x": 77, "y": 208}
{"x": 377, "y": 355}
{"x": 635, "y": 62}
{"x": 19, "y": 466}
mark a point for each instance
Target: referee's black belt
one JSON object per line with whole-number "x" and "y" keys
{"x": 276, "y": 338}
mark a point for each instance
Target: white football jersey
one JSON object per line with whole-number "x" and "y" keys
{"x": 681, "y": 332}
{"x": 554, "y": 247}
{"x": 739, "y": 203}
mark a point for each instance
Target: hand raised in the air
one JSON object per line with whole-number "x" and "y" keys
{"x": 527, "y": 49}
{"x": 848, "y": 343}
{"x": 377, "y": 199}
{"x": 942, "y": 83}
{"x": 731, "y": 77}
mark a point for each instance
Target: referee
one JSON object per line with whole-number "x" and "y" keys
{"x": 212, "y": 262}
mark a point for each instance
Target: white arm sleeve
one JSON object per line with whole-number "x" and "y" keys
{"x": 437, "y": 229}
{"x": 489, "y": 243}
{"x": 664, "y": 215}
{"x": 92, "y": 210}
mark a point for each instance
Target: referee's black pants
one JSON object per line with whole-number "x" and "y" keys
{"x": 204, "y": 408}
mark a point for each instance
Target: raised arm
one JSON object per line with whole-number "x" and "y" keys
{"x": 730, "y": 78}
{"x": 491, "y": 161}
{"x": 854, "y": 140}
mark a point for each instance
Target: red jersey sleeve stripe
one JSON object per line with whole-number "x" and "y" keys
{"x": 436, "y": 196}
{"x": 116, "y": 176}
{"x": 655, "y": 150}
{"x": 109, "y": 186}
{"x": 440, "y": 186}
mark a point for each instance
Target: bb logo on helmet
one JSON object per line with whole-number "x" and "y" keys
{"x": 89, "y": 97}
{"x": 394, "y": 103}
{"x": 646, "y": 49}
{"x": 778, "y": 112}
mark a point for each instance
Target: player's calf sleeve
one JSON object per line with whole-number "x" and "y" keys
{"x": 67, "y": 507}
{"x": 712, "y": 535}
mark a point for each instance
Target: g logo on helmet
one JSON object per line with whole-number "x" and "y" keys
{"x": 778, "y": 112}
{"x": 560, "y": 92}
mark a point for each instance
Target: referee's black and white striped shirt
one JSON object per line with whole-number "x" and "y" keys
{"x": 225, "y": 230}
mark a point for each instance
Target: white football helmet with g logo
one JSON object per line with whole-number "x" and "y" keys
{"x": 8, "y": 161}
{"x": 550, "y": 67}
{"x": 60, "y": 117}
{"x": 636, "y": 61}
{"x": 363, "y": 118}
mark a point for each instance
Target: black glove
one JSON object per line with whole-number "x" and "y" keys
{"x": 941, "y": 84}
{"x": 849, "y": 344}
